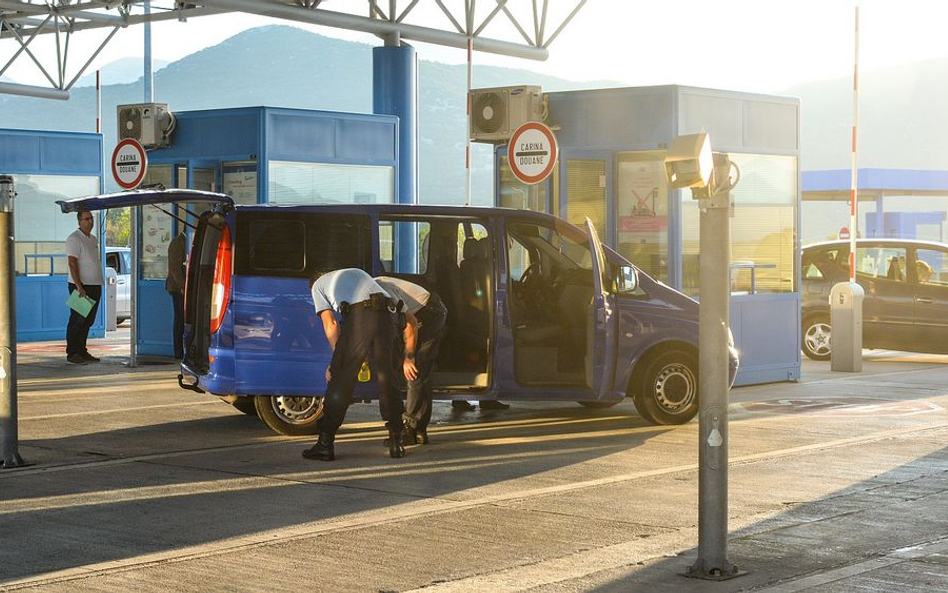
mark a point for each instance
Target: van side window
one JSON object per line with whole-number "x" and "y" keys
{"x": 277, "y": 245}
{"x": 297, "y": 244}
{"x": 403, "y": 246}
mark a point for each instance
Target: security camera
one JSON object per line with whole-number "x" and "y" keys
{"x": 689, "y": 163}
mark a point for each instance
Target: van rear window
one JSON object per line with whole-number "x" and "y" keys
{"x": 296, "y": 244}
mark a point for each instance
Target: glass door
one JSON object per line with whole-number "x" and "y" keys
{"x": 588, "y": 180}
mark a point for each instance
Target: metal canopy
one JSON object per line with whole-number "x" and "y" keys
{"x": 24, "y": 22}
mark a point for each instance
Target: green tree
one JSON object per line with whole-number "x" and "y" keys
{"x": 117, "y": 227}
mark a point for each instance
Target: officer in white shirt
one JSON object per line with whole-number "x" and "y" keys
{"x": 425, "y": 317}
{"x": 367, "y": 329}
{"x": 85, "y": 276}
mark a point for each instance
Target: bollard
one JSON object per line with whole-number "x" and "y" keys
{"x": 846, "y": 327}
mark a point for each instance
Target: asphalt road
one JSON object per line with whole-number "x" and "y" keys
{"x": 837, "y": 483}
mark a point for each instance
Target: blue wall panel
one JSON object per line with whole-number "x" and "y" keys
{"x": 71, "y": 154}
{"x": 19, "y": 153}
{"x": 300, "y": 137}
{"x": 366, "y": 141}
{"x": 41, "y": 311}
{"x": 154, "y": 319}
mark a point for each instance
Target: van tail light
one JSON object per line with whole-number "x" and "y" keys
{"x": 220, "y": 290}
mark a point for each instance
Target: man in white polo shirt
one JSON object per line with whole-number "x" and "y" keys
{"x": 85, "y": 276}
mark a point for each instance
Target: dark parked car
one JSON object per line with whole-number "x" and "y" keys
{"x": 906, "y": 301}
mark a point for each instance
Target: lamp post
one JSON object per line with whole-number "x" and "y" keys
{"x": 691, "y": 164}
{"x": 9, "y": 454}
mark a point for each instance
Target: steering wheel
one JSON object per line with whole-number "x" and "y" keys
{"x": 531, "y": 279}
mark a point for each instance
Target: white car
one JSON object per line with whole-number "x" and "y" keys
{"x": 120, "y": 260}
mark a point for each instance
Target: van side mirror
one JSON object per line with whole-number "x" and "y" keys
{"x": 628, "y": 279}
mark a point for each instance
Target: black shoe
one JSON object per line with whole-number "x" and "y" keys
{"x": 76, "y": 358}
{"x": 323, "y": 450}
{"x": 413, "y": 436}
{"x": 493, "y": 404}
{"x": 396, "y": 450}
{"x": 462, "y": 406}
{"x": 91, "y": 358}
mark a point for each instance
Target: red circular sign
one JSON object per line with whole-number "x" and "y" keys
{"x": 532, "y": 152}
{"x": 129, "y": 163}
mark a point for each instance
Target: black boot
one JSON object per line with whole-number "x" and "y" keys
{"x": 396, "y": 450}
{"x": 323, "y": 450}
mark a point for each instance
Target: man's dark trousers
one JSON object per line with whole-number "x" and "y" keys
{"x": 430, "y": 333}
{"x": 364, "y": 332}
{"x": 177, "y": 327}
{"x": 77, "y": 330}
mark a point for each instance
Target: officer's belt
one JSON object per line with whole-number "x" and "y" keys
{"x": 376, "y": 301}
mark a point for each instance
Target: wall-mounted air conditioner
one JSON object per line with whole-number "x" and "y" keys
{"x": 149, "y": 123}
{"x": 497, "y": 112}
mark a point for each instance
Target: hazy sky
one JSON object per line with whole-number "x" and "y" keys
{"x": 749, "y": 45}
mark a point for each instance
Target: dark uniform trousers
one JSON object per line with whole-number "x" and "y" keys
{"x": 77, "y": 329}
{"x": 428, "y": 343}
{"x": 363, "y": 333}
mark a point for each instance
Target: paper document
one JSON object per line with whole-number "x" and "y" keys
{"x": 81, "y": 305}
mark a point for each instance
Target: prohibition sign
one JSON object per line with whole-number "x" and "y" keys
{"x": 532, "y": 152}
{"x": 129, "y": 163}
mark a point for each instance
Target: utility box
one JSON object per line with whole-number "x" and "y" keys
{"x": 846, "y": 323}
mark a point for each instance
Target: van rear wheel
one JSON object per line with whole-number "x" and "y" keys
{"x": 291, "y": 416}
{"x": 668, "y": 391}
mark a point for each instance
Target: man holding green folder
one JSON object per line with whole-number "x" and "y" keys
{"x": 85, "y": 278}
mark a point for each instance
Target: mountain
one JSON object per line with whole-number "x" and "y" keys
{"x": 120, "y": 71}
{"x": 282, "y": 66}
{"x": 903, "y": 123}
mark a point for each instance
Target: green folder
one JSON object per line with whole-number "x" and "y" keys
{"x": 81, "y": 305}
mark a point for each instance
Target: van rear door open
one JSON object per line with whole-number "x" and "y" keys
{"x": 200, "y": 277}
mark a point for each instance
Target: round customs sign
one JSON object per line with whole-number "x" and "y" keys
{"x": 129, "y": 163}
{"x": 532, "y": 152}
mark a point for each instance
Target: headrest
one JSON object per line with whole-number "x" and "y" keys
{"x": 476, "y": 248}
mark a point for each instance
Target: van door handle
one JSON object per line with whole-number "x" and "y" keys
{"x": 923, "y": 300}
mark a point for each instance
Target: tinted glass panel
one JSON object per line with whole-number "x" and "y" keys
{"x": 298, "y": 244}
{"x": 277, "y": 245}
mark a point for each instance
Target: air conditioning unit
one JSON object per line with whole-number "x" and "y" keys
{"x": 496, "y": 113}
{"x": 149, "y": 123}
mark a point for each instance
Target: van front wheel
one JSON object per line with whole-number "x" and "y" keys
{"x": 292, "y": 416}
{"x": 668, "y": 392}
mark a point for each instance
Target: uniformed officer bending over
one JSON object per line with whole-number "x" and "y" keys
{"x": 367, "y": 329}
{"x": 425, "y": 316}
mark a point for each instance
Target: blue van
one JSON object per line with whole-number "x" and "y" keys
{"x": 539, "y": 309}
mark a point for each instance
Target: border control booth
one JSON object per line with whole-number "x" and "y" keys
{"x": 48, "y": 166}
{"x": 257, "y": 155}
{"x": 612, "y": 144}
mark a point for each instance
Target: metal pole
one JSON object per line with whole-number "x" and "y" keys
{"x": 133, "y": 215}
{"x": 9, "y": 438}
{"x": 149, "y": 77}
{"x": 715, "y": 290}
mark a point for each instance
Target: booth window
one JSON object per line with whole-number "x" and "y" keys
{"x": 642, "y": 211}
{"x": 517, "y": 194}
{"x": 41, "y": 228}
{"x": 321, "y": 183}
{"x": 762, "y": 227}
{"x": 586, "y": 193}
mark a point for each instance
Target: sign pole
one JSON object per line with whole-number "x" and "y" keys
{"x": 9, "y": 437}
